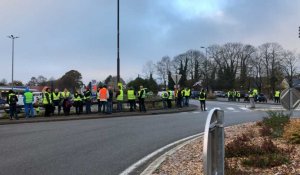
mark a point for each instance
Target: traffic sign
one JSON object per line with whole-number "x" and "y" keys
{"x": 176, "y": 78}
{"x": 290, "y": 98}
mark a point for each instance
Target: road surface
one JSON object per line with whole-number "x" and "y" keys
{"x": 104, "y": 146}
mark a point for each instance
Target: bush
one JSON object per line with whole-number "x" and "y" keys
{"x": 265, "y": 131}
{"x": 292, "y": 132}
{"x": 276, "y": 121}
{"x": 240, "y": 147}
{"x": 266, "y": 160}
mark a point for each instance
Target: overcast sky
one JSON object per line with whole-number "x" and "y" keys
{"x": 59, "y": 35}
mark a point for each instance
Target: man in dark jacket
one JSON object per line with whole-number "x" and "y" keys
{"x": 12, "y": 100}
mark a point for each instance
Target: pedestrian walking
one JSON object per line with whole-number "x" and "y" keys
{"x": 28, "y": 100}
{"x": 56, "y": 98}
{"x": 277, "y": 96}
{"x": 12, "y": 100}
{"x": 202, "y": 99}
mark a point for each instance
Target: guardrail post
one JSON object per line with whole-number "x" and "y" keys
{"x": 213, "y": 145}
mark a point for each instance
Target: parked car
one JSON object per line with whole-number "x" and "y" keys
{"x": 261, "y": 98}
{"x": 220, "y": 94}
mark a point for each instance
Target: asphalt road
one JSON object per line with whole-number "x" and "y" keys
{"x": 103, "y": 146}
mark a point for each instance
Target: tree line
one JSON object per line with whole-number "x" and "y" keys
{"x": 229, "y": 66}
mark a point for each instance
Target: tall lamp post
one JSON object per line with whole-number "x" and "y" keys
{"x": 118, "y": 44}
{"x": 205, "y": 66}
{"x": 12, "y": 37}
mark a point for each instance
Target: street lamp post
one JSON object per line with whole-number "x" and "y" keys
{"x": 205, "y": 75}
{"x": 118, "y": 44}
{"x": 12, "y": 37}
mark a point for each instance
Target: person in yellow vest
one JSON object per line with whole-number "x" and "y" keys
{"x": 164, "y": 97}
{"x": 28, "y": 100}
{"x": 277, "y": 96}
{"x": 56, "y": 98}
{"x": 87, "y": 98}
{"x": 170, "y": 98}
{"x": 142, "y": 96}
{"x": 120, "y": 98}
{"x": 187, "y": 94}
{"x": 77, "y": 102}
{"x": 252, "y": 98}
{"x": 12, "y": 100}
{"x": 66, "y": 96}
{"x": 202, "y": 99}
{"x": 47, "y": 102}
{"x": 238, "y": 95}
{"x": 131, "y": 98}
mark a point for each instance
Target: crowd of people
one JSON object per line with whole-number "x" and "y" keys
{"x": 54, "y": 101}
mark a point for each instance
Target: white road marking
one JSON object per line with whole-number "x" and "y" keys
{"x": 149, "y": 156}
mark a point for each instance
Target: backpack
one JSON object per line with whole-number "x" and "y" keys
{"x": 13, "y": 99}
{"x": 202, "y": 95}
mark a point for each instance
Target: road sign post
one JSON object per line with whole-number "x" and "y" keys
{"x": 213, "y": 144}
{"x": 290, "y": 99}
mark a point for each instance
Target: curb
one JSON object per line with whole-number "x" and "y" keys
{"x": 157, "y": 162}
{"x": 96, "y": 116}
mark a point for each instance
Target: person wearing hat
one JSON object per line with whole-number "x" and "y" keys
{"x": 12, "y": 100}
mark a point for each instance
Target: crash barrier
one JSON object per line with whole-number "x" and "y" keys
{"x": 213, "y": 144}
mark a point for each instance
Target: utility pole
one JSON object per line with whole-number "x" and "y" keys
{"x": 118, "y": 43}
{"x": 12, "y": 37}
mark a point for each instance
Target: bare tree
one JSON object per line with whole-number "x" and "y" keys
{"x": 149, "y": 69}
{"x": 163, "y": 67}
{"x": 289, "y": 67}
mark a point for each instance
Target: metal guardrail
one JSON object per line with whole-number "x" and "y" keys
{"x": 213, "y": 145}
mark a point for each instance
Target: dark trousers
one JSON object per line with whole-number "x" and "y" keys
{"x": 119, "y": 106}
{"x": 66, "y": 107}
{"x": 13, "y": 111}
{"x": 131, "y": 103}
{"x": 48, "y": 109}
{"x": 56, "y": 103}
{"x": 169, "y": 101}
{"x": 88, "y": 106}
{"x": 164, "y": 101}
{"x": 179, "y": 102}
{"x": 142, "y": 105}
{"x": 202, "y": 105}
{"x": 104, "y": 104}
{"x": 78, "y": 107}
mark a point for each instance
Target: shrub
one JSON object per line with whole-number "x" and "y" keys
{"x": 292, "y": 132}
{"x": 265, "y": 131}
{"x": 233, "y": 169}
{"x": 240, "y": 146}
{"x": 276, "y": 121}
{"x": 266, "y": 160}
